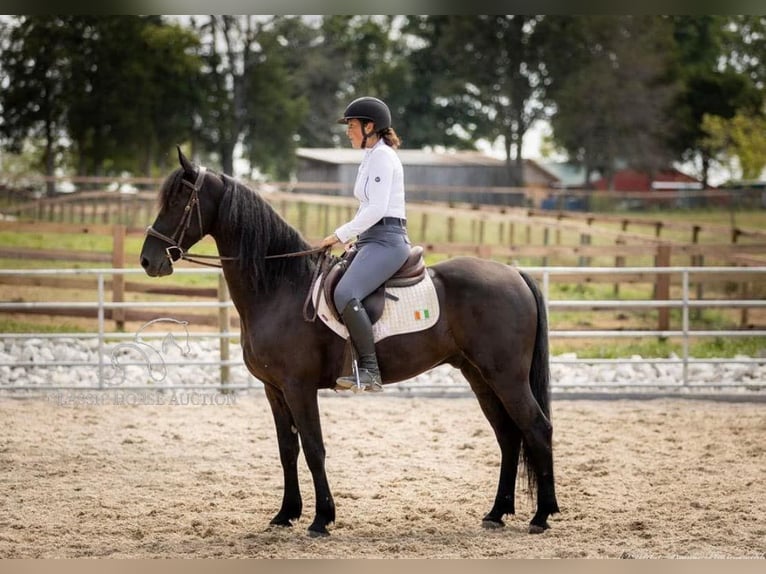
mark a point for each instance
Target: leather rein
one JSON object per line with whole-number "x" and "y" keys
{"x": 192, "y": 207}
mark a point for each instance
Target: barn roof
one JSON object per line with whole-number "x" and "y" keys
{"x": 344, "y": 156}
{"x": 566, "y": 174}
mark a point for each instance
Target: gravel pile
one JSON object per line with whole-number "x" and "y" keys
{"x": 74, "y": 363}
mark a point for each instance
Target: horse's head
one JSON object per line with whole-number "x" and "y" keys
{"x": 188, "y": 208}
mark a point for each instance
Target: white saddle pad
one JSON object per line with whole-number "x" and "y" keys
{"x": 416, "y": 309}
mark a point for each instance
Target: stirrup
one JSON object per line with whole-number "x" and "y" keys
{"x": 354, "y": 382}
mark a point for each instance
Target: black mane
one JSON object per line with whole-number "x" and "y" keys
{"x": 246, "y": 220}
{"x": 253, "y": 229}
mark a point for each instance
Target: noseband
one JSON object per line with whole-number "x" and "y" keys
{"x": 175, "y": 240}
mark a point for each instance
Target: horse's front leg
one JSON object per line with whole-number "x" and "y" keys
{"x": 289, "y": 448}
{"x": 304, "y": 406}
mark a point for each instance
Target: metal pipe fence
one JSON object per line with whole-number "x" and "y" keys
{"x": 230, "y": 374}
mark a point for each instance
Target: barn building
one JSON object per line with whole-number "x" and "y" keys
{"x": 469, "y": 175}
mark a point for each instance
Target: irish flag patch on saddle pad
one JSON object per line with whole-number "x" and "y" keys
{"x": 410, "y": 309}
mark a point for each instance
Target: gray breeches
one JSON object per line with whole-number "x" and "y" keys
{"x": 382, "y": 250}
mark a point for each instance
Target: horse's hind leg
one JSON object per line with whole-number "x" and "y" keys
{"x": 289, "y": 449}
{"x": 537, "y": 434}
{"x": 508, "y": 437}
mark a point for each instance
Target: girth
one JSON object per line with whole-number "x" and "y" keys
{"x": 413, "y": 271}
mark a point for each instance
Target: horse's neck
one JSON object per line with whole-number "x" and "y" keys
{"x": 251, "y": 305}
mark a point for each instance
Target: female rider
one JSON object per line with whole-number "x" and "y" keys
{"x": 380, "y": 227}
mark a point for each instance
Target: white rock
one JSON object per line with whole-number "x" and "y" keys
{"x": 167, "y": 367}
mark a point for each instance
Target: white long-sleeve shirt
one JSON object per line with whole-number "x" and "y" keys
{"x": 379, "y": 188}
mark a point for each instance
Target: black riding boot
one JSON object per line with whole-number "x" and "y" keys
{"x": 360, "y": 331}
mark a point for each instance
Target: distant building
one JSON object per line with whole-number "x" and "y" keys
{"x": 565, "y": 175}
{"x": 570, "y": 186}
{"x": 426, "y": 174}
{"x": 632, "y": 180}
{"x": 572, "y": 176}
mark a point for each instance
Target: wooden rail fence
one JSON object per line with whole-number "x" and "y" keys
{"x": 522, "y": 236}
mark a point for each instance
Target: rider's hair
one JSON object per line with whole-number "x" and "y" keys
{"x": 389, "y": 136}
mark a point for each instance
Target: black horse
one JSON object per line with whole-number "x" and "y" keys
{"x": 493, "y": 327}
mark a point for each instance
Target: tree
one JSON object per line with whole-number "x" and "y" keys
{"x": 70, "y": 82}
{"x": 315, "y": 58}
{"x": 707, "y": 87}
{"x": 252, "y": 98}
{"x": 170, "y": 96}
{"x": 745, "y": 47}
{"x": 609, "y": 85}
{"x": 35, "y": 64}
{"x": 128, "y": 103}
{"x": 435, "y": 110}
{"x": 493, "y": 72}
{"x": 357, "y": 56}
{"x": 741, "y": 138}
{"x": 277, "y": 105}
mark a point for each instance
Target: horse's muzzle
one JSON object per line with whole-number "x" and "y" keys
{"x": 158, "y": 268}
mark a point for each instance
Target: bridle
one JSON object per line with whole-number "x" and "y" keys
{"x": 193, "y": 205}
{"x": 175, "y": 240}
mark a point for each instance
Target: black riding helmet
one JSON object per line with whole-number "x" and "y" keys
{"x": 368, "y": 109}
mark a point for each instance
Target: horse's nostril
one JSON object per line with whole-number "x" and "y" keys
{"x": 144, "y": 262}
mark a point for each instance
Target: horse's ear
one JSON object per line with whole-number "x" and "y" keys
{"x": 183, "y": 160}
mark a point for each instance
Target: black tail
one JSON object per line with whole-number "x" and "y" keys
{"x": 539, "y": 372}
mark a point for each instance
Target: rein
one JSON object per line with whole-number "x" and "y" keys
{"x": 193, "y": 205}
{"x": 311, "y": 251}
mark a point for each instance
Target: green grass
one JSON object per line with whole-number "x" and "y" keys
{"x": 707, "y": 348}
{"x": 15, "y": 326}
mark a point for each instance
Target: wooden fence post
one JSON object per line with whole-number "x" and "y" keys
{"x": 744, "y": 293}
{"x": 698, "y": 260}
{"x": 325, "y": 211}
{"x": 584, "y": 260}
{"x": 662, "y": 285}
{"x": 223, "y": 327}
{"x": 619, "y": 261}
{"x": 118, "y": 279}
{"x": 302, "y": 215}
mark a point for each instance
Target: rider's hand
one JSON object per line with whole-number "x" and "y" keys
{"x": 329, "y": 241}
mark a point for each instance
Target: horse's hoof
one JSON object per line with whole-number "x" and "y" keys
{"x": 492, "y": 524}
{"x": 318, "y": 533}
{"x": 537, "y": 529}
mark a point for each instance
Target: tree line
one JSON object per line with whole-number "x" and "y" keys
{"x": 101, "y": 95}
